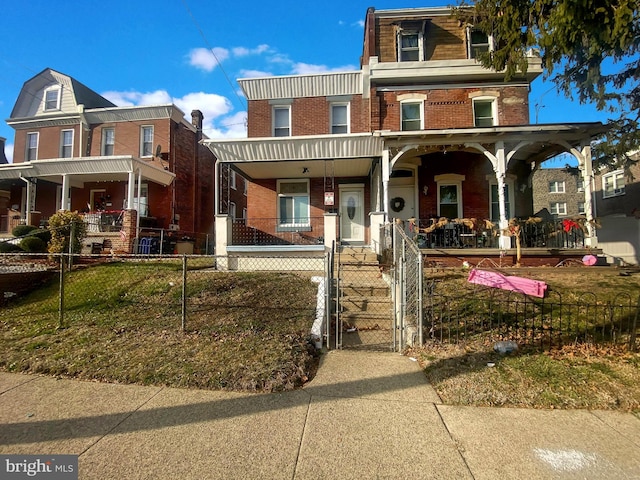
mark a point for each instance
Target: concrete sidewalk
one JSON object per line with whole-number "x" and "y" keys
{"x": 365, "y": 415}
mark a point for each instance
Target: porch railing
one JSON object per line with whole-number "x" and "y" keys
{"x": 473, "y": 233}
{"x": 273, "y": 231}
{"x": 108, "y": 221}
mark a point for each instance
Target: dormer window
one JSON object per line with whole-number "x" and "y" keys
{"x": 52, "y": 99}
{"x": 410, "y": 47}
{"x": 478, "y": 42}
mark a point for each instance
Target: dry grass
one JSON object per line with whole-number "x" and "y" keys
{"x": 245, "y": 332}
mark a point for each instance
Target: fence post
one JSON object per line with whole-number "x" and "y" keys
{"x": 61, "y": 295}
{"x": 184, "y": 292}
{"x": 634, "y": 326}
{"x": 72, "y": 229}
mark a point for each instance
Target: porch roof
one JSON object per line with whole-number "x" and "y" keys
{"x": 350, "y": 154}
{"x": 535, "y": 143}
{"x": 87, "y": 169}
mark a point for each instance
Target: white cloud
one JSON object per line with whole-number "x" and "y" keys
{"x": 131, "y": 98}
{"x": 8, "y": 151}
{"x": 307, "y": 68}
{"x": 206, "y": 59}
{"x": 243, "y": 51}
{"x": 359, "y": 23}
{"x": 254, "y": 74}
{"x": 233, "y": 126}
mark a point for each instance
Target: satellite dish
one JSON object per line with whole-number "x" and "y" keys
{"x": 158, "y": 150}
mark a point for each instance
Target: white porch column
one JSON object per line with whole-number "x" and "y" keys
{"x": 130, "y": 189}
{"x": 216, "y": 188}
{"x": 385, "y": 182}
{"x": 500, "y": 169}
{"x": 586, "y": 168}
{"x": 376, "y": 220}
{"x": 223, "y": 229}
{"x": 330, "y": 229}
{"x": 64, "y": 201}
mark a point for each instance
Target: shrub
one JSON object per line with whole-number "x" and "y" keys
{"x": 6, "y": 247}
{"x": 22, "y": 230}
{"x": 33, "y": 244}
{"x": 60, "y": 226}
{"x": 42, "y": 233}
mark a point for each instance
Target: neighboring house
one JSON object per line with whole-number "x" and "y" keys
{"x": 421, "y": 131}
{"x": 559, "y": 191}
{"x": 617, "y": 196}
{"x": 133, "y": 171}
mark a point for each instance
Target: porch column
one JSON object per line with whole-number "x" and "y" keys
{"x": 65, "y": 192}
{"x": 385, "y": 182}
{"x": 330, "y": 229}
{"x": 130, "y": 189}
{"x": 139, "y": 195}
{"x": 376, "y": 220}
{"x": 29, "y": 199}
{"x": 216, "y": 188}
{"x": 500, "y": 168}
{"x": 586, "y": 168}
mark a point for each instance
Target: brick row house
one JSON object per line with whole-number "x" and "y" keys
{"x": 134, "y": 172}
{"x": 421, "y": 133}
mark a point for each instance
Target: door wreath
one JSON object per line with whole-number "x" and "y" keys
{"x": 397, "y": 204}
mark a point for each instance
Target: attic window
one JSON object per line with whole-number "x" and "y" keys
{"x": 411, "y": 42}
{"x": 52, "y": 99}
{"x": 478, "y": 42}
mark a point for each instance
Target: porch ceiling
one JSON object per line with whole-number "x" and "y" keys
{"x": 293, "y": 157}
{"x": 87, "y": 169}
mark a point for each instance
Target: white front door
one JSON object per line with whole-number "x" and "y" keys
{"x": 352, "y": 213}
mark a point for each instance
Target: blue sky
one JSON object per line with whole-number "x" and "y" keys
{"x": 149, "y": 52}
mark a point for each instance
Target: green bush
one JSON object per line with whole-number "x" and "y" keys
{"x": 6, "y": 247}
{"x": 33, "y": 244}
{"x": 42, "y": 233}
{"x": 60, "y": 226}
{"x": 22, "y": 230}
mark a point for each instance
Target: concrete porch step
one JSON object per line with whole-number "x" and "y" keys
{"x": 365, "y": 304}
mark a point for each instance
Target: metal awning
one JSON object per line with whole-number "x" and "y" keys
{"x": 88, "y": 169}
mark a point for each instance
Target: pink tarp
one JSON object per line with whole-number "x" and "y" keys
{"x": 527, "y": 286}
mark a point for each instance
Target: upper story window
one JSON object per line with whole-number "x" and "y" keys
{"x": 410, "y": 46}
{"x": 146, "y": 141}
{"x": 613, "y": 184}
{"x": 556, "y": 186}
{"x": 478, "y": 42}
{"x": 581, "y": 209}
{"x": 484, "y": 112}
{"x": 282, "y": 121}
{"x": 339, "y": 118}
{"x": 66, "y": 144}
{"x": 52, "y": 98}
{"x": 411, "y": 114}
{"x": 32, "y": 146}
{"x": 108, "y": 141}
{"x": 580, "y": 184}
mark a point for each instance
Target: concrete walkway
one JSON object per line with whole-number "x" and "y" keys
{"x": 365, "y": 415}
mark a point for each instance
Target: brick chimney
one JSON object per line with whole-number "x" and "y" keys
{"x": 3, "y": 157}
{"x": 196, "y": 121}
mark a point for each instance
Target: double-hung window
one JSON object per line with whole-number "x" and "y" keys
{"x": 558, "y": 208}
{"x": 556, "y": 186}
{"x": 613, "y": 184}
{"x": 52, "y": 98}
{"x": 410, "y": 46}
{"x": 108, "y": 141}
{"x": 411, "y": 116}
{"x": 293, "y": 204}
{"x": 146, "y": 141}
{"x": 484, "y": 112}
{"x": 478, "y": 42}
{"x": 32, "y": 146}
{"x": 495, "y": 202}
{"x": 232, "y": 179}
{"x": 339, "y": 118}
{"x": 282, "y": 121}
{"x": 66, "y": 144}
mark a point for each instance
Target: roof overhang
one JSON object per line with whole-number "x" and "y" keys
{"x": 87, "y": 169}
{"x": 292, "y": 157}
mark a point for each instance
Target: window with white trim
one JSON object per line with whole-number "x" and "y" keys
{"x": 558, "y": 208}
{"x": 495, "y": 201}
{"x": 450, "y": 195}
{"x": 66, "y": 144}
{"x": 293, "y": 204}
{"x": 142, "y": 204}
{"x": 613, "y": 184}
{"x": 232, "y": 210}
{"x": 232, "y": 180}
{"x": 410, "y": 46}
{"x": 339, "y": 118}
{"x": 581, "y": 210}
{"x": 484, "y": 112}
{"x": 478, "y": 42}
{"x": 32, "y": 146}
{"x": 51, "y": 100}
{"x": 108, "y": 141}
{"x": 244, "y": 213}
{"x": 556, "y": 186}
{"x": 146, "y": 141}
{"x": 282, "y": 121}
{"x": 411, "y": 114}
{"x": 580, "y": 184}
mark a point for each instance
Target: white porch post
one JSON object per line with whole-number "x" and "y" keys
{"x": 131, "y": 183}
{"x": 139, "y": 194}
{"x": 64, "y": 201}
{"x": 586, "y": 168}
{"x": 504, "y": 241}
{"x": 330, "y": 229}
{"x": 385, "y": 182}
{"x": 216, "y": 188}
